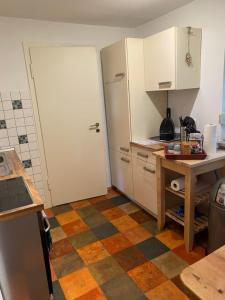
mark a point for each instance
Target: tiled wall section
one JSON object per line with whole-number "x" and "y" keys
{"x": 17, "y": 129}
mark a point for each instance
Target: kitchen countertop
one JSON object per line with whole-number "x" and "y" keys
{"x": 206, "y": 278}
{"x": 17, "y": 171}
{"x": 220, "y": 154}
{"x": 147, "y": 144}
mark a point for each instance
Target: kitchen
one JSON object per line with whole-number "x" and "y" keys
{"x": 204, "y": 104}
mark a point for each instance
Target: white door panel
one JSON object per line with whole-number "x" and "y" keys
{"x": 67, "y": 92}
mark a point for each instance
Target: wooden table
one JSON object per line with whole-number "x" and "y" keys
{"x": 189, "y": 169}
{"x": 206, "y": 278}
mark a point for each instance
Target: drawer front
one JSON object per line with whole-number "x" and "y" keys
{"x": 145, "y": 189}
{"x": 121, "y": 172}
{"x": 143, "y": 154}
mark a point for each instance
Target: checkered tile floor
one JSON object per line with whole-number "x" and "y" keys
{"x": 109, "y": 248}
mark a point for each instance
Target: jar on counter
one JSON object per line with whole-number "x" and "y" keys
{"x": 196, "y": 142}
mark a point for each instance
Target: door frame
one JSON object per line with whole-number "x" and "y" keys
{"x": 44, "y": 169}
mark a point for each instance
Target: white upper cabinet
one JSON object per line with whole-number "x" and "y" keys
{"x": 114, "y": 65}
{"x": 165, "y": 59}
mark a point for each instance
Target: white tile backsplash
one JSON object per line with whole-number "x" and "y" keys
{"x": 3, "y": 133}
{"x": 27, "y": 104}
{"x": 12, "y": 132}
{"x": 13, "y": 141}
{"x": 25, "y": 155}
{"x": 30, "y": 129}
{"x": 4, "y": 142}
{"x": 18, "y": 113}
{"x": 24, "y": 147}
{"x": 25, "y": 95}
{"x": 20, "y": 122}
{"x": 32, "y": 137}
{"x": 21, "y": 130}
{"x": 36, "y": 169}
{"x": 29, "y": 121}
{"x": 10, "y": 123}
{"x": 34, "y": 153}
{"x": 9, "y": 114}
{"x": 33, "y": 146}
{"x": 28, "y": 112}
{"x": 5, "y": 95}
{"x": 15, "y": 95}
{"x": 7, "y": 105}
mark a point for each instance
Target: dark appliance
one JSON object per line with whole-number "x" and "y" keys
{"x": 25, "y": 243}
{"x": 189, "y": 124}
{"x": 166, "y": 131}
{"x": 216, "y": 226}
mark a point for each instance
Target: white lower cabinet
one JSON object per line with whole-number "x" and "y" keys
{"x": 134, "y": 175}
{"x": 144, "y": 181}
{"x": 121, "y": 172}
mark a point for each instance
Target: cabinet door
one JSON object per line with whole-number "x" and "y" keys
{"x": 121, "y": 172}
{"x": 144, "y": 179}
{"x": 117, "y": 114}
{"x": 114, "y": 61}
{"x": 159, "y": 53}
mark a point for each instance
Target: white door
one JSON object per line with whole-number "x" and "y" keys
{"x": 68, "y": 99}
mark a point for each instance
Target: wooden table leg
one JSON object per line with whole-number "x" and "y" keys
{"x": 189, "y": 207}
{"x": 160, "y": 173}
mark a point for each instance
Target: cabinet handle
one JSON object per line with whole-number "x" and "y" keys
{"x": 124, "y": 149}
{"x": 149, "y": 170}
{"x": 142, "y": 155}
{"x": 125, "y": 160}
{"x": 117, "y": 75}
{"x": 165, "y": 84}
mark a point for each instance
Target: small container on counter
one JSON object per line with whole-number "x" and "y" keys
{"x": 196, "y": 142}
{"x": 185, "y": 148}
{"x": 177, "y": 149}
{"x": 183, "y": 135}
{"x": 171, "y": 148}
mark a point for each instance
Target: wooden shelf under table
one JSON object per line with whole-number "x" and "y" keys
{"x": 199, "y": 223}
{"x": 200, "y": 195}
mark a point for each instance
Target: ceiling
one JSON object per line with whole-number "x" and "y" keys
{"x": 120, "y": 13}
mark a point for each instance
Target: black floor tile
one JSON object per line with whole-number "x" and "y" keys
{"x": 61, "y": 209}
{"x": 57, "y": 291}
{"x": 152, "y": 248}
{"x": 104, "y": 230}
{"x": 121, "y": 288}
{"x": 53, "y": 222}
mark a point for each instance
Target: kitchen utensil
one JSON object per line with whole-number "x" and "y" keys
{"x": 167, "y": 127}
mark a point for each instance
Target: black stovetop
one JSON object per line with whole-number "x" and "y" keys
{"x": 157, "y": 138}
{"x": 13, "y": 194}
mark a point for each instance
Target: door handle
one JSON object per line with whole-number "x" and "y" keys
{"x": 94, "y": 126}
{"x": 142, "y": 155}
{"x": 149, "y": 170}
{"x": 119, "y": 75}
{"x": 165, "y": 84}
{"x": 125, "y": 160}
{"x": 124, "y": 149}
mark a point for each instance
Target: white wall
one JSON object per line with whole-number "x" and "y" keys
{"x": 14, "y": 31}
{"x": 206, "y": 103}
